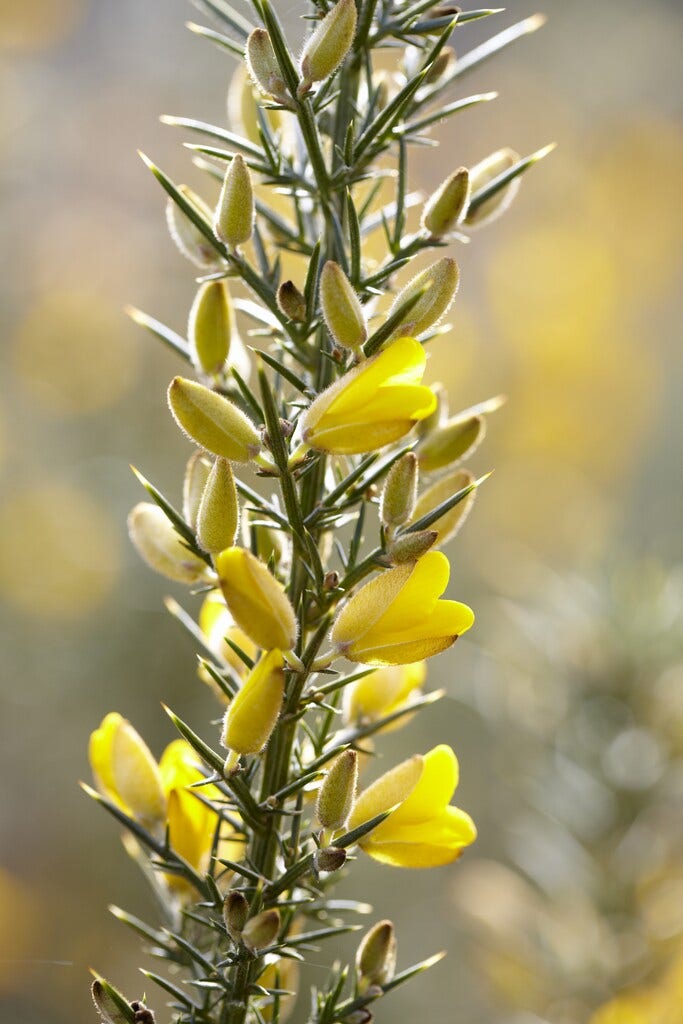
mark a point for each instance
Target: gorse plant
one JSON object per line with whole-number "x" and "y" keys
{"x": 315, "y": 619}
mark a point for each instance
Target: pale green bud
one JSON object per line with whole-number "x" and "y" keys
{"x": 444, "y": 209}
{"x": 441, "y": 283}
{"x": 210, "y": 326}
{"x": 190, "y": 241}
{"x": 291, "y": 302}
{"x": 219, "y": 511}
{"x": 400, "y": 491}
{"x": 481, "y": 175}
{"x": 263, "y": 67}
{"x": 326, "y": 48}
{"x": 330, "y": 858}
{"x": 212, "y": 422}
{"x": 158, "y": 544}
{"x": 262, "y": 930}
{"x": 337, "y": 791}
{"x": 411, "y": 546}
{"x": 376, "y": 956}
{"x": 450, "y": 442}
{"x": 235, "y": 914}
{"x": 196, "y": 474}
{"x": 233, "y": 221}
{"x": 341, "y": 308}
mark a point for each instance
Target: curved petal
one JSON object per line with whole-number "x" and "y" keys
{"x": 390, "y": 789}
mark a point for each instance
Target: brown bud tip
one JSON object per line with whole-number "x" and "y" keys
{"x": 330, "y": 859}
{"x": 235, "y": 913}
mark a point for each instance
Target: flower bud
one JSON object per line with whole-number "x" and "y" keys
{"x": 445, "y": 208}
{"x": 219, "y": 511}
{"x": 326, "y": 48}
{"x": 376, "y": 956}
{"x": 233, "y": 221}
{"x": 443, "y": 63}
{"x": 330, "y": 858}
{"x": 235, "y": 913}
{"x": 450, "y": 442}
{"x": 251, "y": 717}
{"x": 263, "y": 66}
{"x": 441, "y": 283}
{"x": 481, "y": 175}
{"x": 110, "y": 1004}
{"x": 212, "y": 422}
{"x": 243, "y": 107}
{"x": 411, "y": 546}
{"x": 196, "y": 474}
{"x": 337, "y": 792}
{"x": 125, "y": 771}
{"x": 210, "y": 327}
{"x": 158, "y": 544}
{"x": 261, "y": 931}
{"x": 256, "y": 601}
{"x": 189, "y": 239}
{"x": 400, "y": 491}
{"x": 291, "y": 302}
{"x": 450, "y": 522}
{"x": 341, "y": 308}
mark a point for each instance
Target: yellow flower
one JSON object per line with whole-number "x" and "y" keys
{"x": 125, "y": 771}
{"x": 216, "y": 623}
{"x": 373, "y": 405}
{"x": 382, "y": 692}
{"x": 398, "y": 618}
{"x": 424, "y": 831}
{"x": 191, "y": 824}
{"x": 251, "y": 717}
{"x": 256, "y": 600}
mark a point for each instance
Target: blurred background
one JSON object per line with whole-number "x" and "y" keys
{"x": 565, "y": 704}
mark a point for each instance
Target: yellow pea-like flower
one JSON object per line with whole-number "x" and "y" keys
{"x": 255, "y": 599}
{"x": 159, "y": 545}
{"x": 450, "y": 522}
{"x": 382, "y": 692}
{"x": 425, "y": 830}
{"x": 397, "y": 618}
{"x": 251, "y": 717}
{"x": 212, "y": 422}
{"x": 216, "y": 623}
{"x": 191, "y": 824}
{"x": 373, "y": 405}
{"x": 125, "y": 771}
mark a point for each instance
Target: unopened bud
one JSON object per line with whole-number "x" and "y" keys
{"x": 210, "y": 326}
{"x": 331, "y": 580}
{"x": 235, "y": 913}
{"x": 326, "y": 48}
{"x": 158, "y": 544}
{"x": 441, "y": 65}
{"x": 263, "y": 66}
{"x": 440, "y": 413}
{"x": 450, "y": 522}
{"x": 219, "y": 512}
{"x": 212, "y": 422}
{"x": 189, "y": 239}
{"x": 291, "y": 302}
{"x": 341, "y": 308}
{"x": 400, "y": 491}
{"x": 196, "y": 474}
{"x": 450, "y": 442}
{"x": 440, "y": 284}
{"x": 261, "y": 931}
{"x": 330, "y": 859}
{"x": 337, "y": 791}
{"x": 411, "y": 546}
{"x": 110, "y": 1004}
{"x": 376, "y": 956}
{"x": 253, "y": 713}
{"x": 256, "y": 600}
{"x": 233, "y": 221}
{"x": 445, "y": 208}
{"x": 483, "y": 174}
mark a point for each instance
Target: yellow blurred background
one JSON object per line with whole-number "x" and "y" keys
{"x": 565, "y": 706}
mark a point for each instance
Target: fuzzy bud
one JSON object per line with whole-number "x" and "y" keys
{"x": 482, "y": 174}
{"x": 328, "y": 46}
{"x": 219, "y": 512}
{"x": 110, "y": 1004}
{"x": 445, "y": 208}
{"x": 450, "y": 442}
{"x": 400, "y": 491}
{"x": 441, "y": 283}
{"x": 189, "y": 239}
{"x": 291, "y": 302}
{"x": 251, "y": 717}
{"x": 330, "y": 858}
{"x": 376, "y": 956}
{"x": 158, "y": 544}
{"x": 262, "y": 930}
{"x": 337, "y": 791}
{"x": 233, "y": 221}
{"x": 263, "y": 66}
{"x": 235, "y": 913}
{"x": 411, "y": 546}
{"x": 341, "y": 308}
{"x": 212, "y": 422}
{"x": 256, "y": 600}
{"x": 210, "y": 327}
{"x": 196, "y": 474}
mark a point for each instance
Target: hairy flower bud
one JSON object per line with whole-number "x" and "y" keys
{"x": 450, "y": 442}
{"x": 337, "y": 791}
{"x": 376, "y": 956}
{"x": 235, "y": 913}
{"x": 411, "y": 546}
{"x": 291, "y": 302}
{"x": 399, "y": 492}
{"x": 341, "y": 308}
{"x": 219, "y": 512}
{"x": 261, "y": 931}
{"x": 445, "y": 208}
{"x": 233, "y": 221}
{"x": 326, "y": 48}
{"x": 256, "y": 601}
{"x": 212, "y": 422}
{"x": 483, "y": 174}
{"x": 189, "y": 239}
{"x": 210, "y": 326}
{"x": 110, "y": 1004}
{"x": 158, "y": 544}
{"x": 251, "y": 717}
{"x": 197, "y": 473}
{"x": 263, "y": 66}
{"x": 440, "y": 282}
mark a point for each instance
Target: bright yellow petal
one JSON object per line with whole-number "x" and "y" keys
{"x": 400, "y": 653}
{"x": 424, "y": 845}
{"x": 402, "y": 362}
{"x": 425, "y": 584}
{"x": 251, "y": 717}
{"x": 358, "y": 438}
{"x": 383, "y": 691}
{"x": 99, "y": 755}
{"x": 445, "y": 623}
{"x": 256, "y": 600}
{"x": 433, "y": 791}
{"x": 368, "y": 604}
{"x": 390, "y": 789}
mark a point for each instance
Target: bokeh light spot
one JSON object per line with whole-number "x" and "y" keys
{"x": 38, "y": 24}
